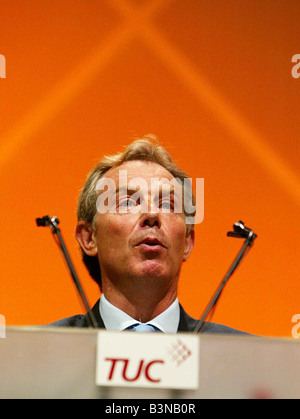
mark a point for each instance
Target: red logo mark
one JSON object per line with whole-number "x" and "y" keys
{"x": 143, "y": 368}
{"x": 179, "y": 352}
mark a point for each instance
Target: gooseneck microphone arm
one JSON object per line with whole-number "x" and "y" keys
{"x": 53, "y": 222}
{"x": 240, "y": 231}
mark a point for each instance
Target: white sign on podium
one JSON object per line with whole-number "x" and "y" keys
{"x": 154, "y": 360}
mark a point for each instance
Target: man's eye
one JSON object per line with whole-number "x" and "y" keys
{"x": 167, "y": 205}
{"x": 127, "y": 203}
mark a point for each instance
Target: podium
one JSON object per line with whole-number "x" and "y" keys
{"x": 42, "y": 362}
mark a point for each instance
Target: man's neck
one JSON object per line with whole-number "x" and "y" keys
{"x": 142, "y": 306}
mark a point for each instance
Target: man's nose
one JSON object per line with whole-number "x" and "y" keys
{"x": 151, "y": 217}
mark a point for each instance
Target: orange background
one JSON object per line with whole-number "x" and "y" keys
{"x": 212, "y": 79}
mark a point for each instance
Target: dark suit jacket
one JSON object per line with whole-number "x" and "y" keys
{"x": 186, "y": 323}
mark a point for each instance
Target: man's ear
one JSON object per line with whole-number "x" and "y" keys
{"x": 86, "y": 237}
{"x": 189, "y": 244}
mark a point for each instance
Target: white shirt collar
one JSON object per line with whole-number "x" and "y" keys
{"x": 115, "y": 319}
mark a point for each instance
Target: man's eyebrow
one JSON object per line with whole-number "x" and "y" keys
{"x": 170, "y": 191}
{"x": 165, "y": 188}
{"x": 125, "y": 189}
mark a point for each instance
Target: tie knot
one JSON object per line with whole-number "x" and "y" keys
{"x": 140, "y": 327}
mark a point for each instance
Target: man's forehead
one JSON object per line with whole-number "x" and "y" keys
{"x": 138, "y": 169}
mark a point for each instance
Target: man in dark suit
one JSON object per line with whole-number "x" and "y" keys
{"x": 135, "y": 231}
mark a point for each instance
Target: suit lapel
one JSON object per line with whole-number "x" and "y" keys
{"x": 186, "y": 323}
{"x": 96, "y": 313}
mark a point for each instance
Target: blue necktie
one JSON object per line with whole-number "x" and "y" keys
{"x": 139, "y": 327}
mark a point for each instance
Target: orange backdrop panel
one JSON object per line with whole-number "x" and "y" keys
{"x": 212, "y": 80}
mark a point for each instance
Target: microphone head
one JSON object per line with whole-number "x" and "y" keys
{"x": 43, "y": 222}
{"x": 240, "y": 228}
{"x": 241, "y": 231}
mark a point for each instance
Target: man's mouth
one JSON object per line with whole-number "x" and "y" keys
{"x": 151, "y": 243}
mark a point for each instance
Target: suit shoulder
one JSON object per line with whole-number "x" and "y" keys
{"x": 80, "y": 320}
{"x": 187, "y": 323}
{"x": 74, "y": 321}
{"x": 220, "y": 328}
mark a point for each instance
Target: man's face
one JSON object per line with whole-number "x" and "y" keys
{"x": 144, "y": 238}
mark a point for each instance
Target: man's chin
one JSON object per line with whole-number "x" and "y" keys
{"x": 153, "y": 269}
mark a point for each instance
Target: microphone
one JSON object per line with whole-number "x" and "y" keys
{"x": 53, "y": 222}
{"x": 43, "y": 222}
{"x": 239, "y": 231}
